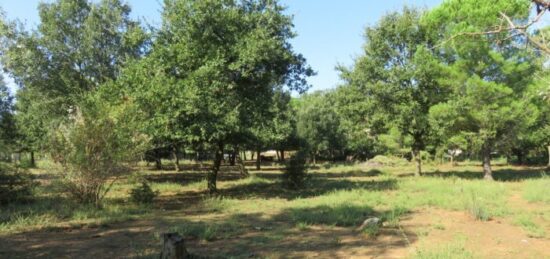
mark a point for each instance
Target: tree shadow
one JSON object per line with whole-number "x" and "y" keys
{"x": 315, "y": 186}
{"x": 323, "y": 228}
{"x": 503, "y": 175}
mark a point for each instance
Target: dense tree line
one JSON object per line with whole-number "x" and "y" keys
{"x": 217, "y": 77}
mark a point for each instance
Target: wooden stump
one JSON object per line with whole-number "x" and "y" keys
{"x": 173, "y": 247}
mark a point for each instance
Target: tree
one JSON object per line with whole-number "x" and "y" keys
{"x": 398, "y": 75}
{"x": 7, "y": 122}
{"x": 78, "y": 46}
{"x": 488, "y": 75}
{"x": 318, "y": 125}
{"x": 212, "y": 70}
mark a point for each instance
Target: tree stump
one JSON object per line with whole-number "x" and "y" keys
{"x": 173, "y": 247}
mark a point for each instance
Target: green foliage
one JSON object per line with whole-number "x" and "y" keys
{"x": 398, "y": 76}
{"x": 77, "y": 46}
{"x": 318, "y": 125}
{"x": 295, "y": 172}
{"x": 8, "y": 131}
{"x": 488, "y": 75}
{"x": 92, "y": 146}
{"x": 143, "y": 194}
{"x": 15, "y": 184}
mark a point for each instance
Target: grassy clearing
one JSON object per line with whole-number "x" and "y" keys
{"x": 337, "y": 198}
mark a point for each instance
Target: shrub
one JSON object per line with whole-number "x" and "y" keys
{"x": 15, "y": 184}
{"x": 295, "y": 171}
{"x": 91, "y": 148}
{"x": 143, "y": 193}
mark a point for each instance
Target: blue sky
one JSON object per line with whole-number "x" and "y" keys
{"x": 330, "y": 32}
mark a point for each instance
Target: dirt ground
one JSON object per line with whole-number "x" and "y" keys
{"x": 493, "y": 239}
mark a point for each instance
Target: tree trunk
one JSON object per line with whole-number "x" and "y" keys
{"x": 252, "y": 155}
{"x": 548, "y": 155}
{"x": 33, "y": 161}
{"x": 487, "y": 172}
{"x": 258, "y": 159}
{"x": 213, "y": 174}
{"x": 232, "y": 158}
{"x": 452, "y": 160}
{"x": 244, "y": 155}
{"x": 158, "y": 163}
{"x": 176, "y": 158}
{"x": 282, "y": 155}
{"x": 314, "y": 158}
{"x": 278, "y": 157}
{"x": 418, "y": 160}
{"x": 242, "y": 167}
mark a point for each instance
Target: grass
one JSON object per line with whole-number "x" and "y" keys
{"x": 337, "y": 198}
{"x": 537, "y": 190}
{"x": 452, "y": 250}
{"x": 528, "y": 224}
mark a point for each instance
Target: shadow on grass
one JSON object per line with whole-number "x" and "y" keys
{"x": 293, "y": 232}
{"x": 316, "y": 186}
{"x": 503, "y": 175}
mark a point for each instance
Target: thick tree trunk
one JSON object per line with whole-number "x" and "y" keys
{"x": 176, "y": 158}
{"x": 213, "y": 174}
{"x": 33, "y": 161}
{"x": 418, "y": 160}
{"x": 258, "y": 159}
{"x": 282, "y": 155}
{"x": 487, "y": 172}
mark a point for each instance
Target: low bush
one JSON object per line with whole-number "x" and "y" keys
{"x": 295, "y": 171}
{"x": 15, "y": 184}
{"x": 143, "y": 194}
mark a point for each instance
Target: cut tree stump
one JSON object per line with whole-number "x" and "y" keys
{"x": 173, "y": 247}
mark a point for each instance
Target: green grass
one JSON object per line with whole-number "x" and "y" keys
{"x": 452, "y": 250}
{"x": 537, "y": 190}
{"x": 526, "y": 222}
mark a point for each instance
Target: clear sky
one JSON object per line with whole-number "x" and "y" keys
{"x": 330, "y": 32}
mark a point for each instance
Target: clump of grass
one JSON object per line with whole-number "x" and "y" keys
{"x": 339, "y": 215}
{"x": 477, "y": 208}
{"x": 537, "y": 190}
{"x": 454, "y": 250}
{"x": 526, "y": 222}
{"x": 216, "y": 204}
{"x": 392, "y": 217}
{"x": 208, "y": 232}
{"x": 303, "y": 226}
{"x": 371, "y": 230}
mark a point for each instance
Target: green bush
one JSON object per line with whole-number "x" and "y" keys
{"x": 143, "y": 194}
{"x": 295, "y": 171}
{"x": 92, "y": 147}
{"x": 15, "y": 184}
